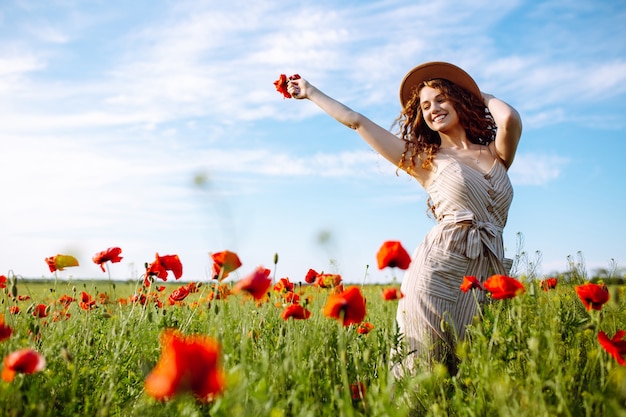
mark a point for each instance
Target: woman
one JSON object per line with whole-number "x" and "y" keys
{"x": 460, "y": 153}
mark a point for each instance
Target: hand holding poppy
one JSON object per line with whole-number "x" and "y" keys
{"x": 282, "y": 85}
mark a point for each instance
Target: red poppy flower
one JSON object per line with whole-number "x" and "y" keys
{"x": 40, "y": 311}
{"x": 165, "y": 263}
{"x": 365, "y": 327}
{"x": 470, "y": 282}
{"x": 103, "y": 298}
{"x": 282, "y": 82}
{"x": 358, "y": 390}
{"x": 548, "y": 284}
{"x": 60, "y": 262}
{"x": 291, "y": 298}
{"x": 110, "y": 255}
{"x": 501, "y": 287}
{"x": 390, "y": 294}
{"x": 616, "y": 346}
{"x": 86, "y": 301}
{"x": 311, "y": 275}
{"x": 224, "y": 263}
{"x": 5, "y": 330}
{"x": 65, "y": 300}
{"x": 23, "y": 361}
{"x": 393, "y": 255}
{"x": 327, "y": 280}
{"x": 138, "y": 298}
{"x": 283, "y": 285}
{"x": 187, "y": 364}
{"x": 192, "y": 287}
{"x": 220, "y": 292}
{"x": 178, "y": 294}
{"x": 14, "y": 310}
{"x": 58, "y": 315}
{"x": 593, "y": 296}
{"x": 348, "y": 306}
{"x": 296, "y": 312}
{"x": 256, "y": 284}
{"x": 3, "y": 281}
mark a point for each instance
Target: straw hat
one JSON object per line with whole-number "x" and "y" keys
{"x": 430, "y": 70}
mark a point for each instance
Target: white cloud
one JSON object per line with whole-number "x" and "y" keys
{"x": 12, "y": 63}
{"x": 536, "y": 169}
{"x": 207, "y": 61}
{"x": 47, "y": 32}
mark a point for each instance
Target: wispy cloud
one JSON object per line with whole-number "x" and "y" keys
{"x": 204, "y": 60}
{"x": 536, "y": 169}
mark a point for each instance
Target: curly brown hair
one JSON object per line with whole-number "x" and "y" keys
{"x": 421, "y": 142}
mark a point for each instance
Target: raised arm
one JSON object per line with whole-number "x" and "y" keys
{"x": 509, "y": 128}
{"x": 382, "y": 140}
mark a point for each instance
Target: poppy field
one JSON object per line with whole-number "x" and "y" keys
{"x": 254, "y": 344}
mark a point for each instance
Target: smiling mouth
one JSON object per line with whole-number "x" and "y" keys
{"x": 439, "y": 118}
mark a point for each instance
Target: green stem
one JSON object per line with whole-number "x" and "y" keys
{"x": 365, "y": 276}
{"x": 343, "y": 357}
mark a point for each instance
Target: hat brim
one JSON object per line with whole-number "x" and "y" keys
{"x": 432, "y": 70}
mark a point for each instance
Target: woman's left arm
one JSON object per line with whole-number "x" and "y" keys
{"x": 509, "y": 128}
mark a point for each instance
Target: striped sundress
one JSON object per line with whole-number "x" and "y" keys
{"x": 471, "y": 209}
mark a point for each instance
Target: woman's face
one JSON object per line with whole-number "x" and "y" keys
{"x": 438, "y": 111}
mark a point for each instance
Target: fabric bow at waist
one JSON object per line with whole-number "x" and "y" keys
{"x": 480, "y": 233}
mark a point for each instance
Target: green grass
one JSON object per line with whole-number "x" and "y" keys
{"x": 534, "y": 355}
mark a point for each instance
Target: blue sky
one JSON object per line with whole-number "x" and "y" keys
{"x": 154, "y": 126}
